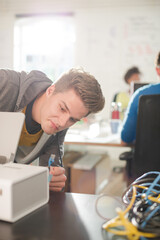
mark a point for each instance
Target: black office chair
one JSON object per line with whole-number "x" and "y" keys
{"x": 145, "y": 156}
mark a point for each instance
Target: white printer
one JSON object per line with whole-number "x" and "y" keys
{"x": 23, "y": 188}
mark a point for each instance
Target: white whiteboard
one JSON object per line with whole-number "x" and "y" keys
{"x": 114, "y": 39}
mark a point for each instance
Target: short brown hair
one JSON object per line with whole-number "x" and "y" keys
{"x": 86, "y": 87}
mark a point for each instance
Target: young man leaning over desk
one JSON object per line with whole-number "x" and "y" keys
{"x": 50, "y": 109}
{"x": 128, "y": 133}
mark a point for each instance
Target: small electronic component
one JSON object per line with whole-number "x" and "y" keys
{"x": 54, "y": 163}
{"x": 51, "y": 162}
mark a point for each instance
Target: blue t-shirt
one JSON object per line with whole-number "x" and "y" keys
{"x": 128, "y": 133}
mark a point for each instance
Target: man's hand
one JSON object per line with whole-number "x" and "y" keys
{"x": 57, "y": 182}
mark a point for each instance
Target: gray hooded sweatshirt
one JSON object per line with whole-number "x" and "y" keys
{"x": 17, "y": 90}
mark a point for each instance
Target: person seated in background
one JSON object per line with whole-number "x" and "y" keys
{"x": 128, "y": 133}
{"x": 132, "y": 75}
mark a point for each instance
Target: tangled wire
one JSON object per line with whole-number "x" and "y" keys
{"x": 141, "y": 218}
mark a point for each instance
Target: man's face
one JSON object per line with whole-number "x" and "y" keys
{"x": 60, "y": 110}
{"x": 134, "y": 78}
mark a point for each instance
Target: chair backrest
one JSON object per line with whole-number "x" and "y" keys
{"x": 147, "y": 146}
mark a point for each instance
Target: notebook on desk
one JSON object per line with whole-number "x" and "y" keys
{"x": 10, "y": 129}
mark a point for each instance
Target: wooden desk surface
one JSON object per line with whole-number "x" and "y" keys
{"x": 94, "y": 144}
{"x": 67, "y": 216}
{"x": 111, "y": 140}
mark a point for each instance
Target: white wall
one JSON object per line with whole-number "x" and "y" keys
{"x": 111, "y": 36}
